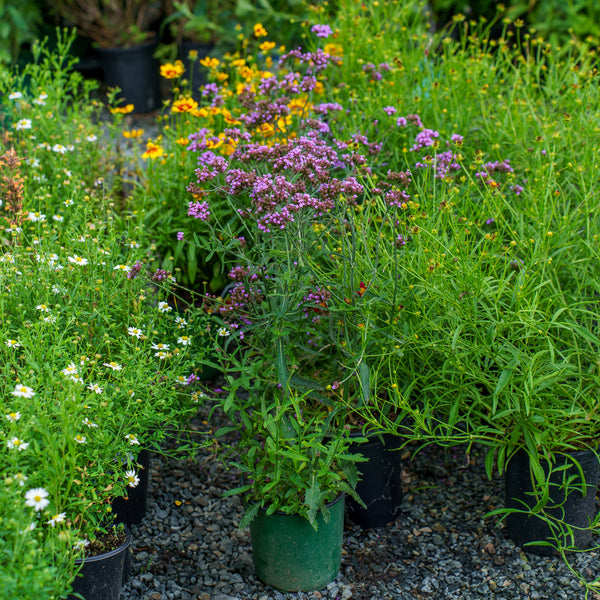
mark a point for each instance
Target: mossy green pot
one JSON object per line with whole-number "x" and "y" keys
{"x": 290, "y": 555}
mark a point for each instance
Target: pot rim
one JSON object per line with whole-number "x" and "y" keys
{"x": 110, "y": 553}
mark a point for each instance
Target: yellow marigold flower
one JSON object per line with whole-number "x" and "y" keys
{"x": 230, "y": 120}
{"x": 222, "y": 76}
{"x": 201, "y": 113}
{"x": 134, "y": 133}
{"x": 210, "y": 144}
{"x": 171, "y": 71}
{"x": 122, "y": 110}
{"x": 246, "y": 72}
{"x": 266, "y": 130}
{"x": 228, "y": 149}
{"x": 211, "y": 63}
{"x": 319, "y": 88}
{"x": 267, "y": 46}
{"x": 153, "y": 150}
{"x": 238, "y": 62}
{"x": 299, "y": 105}
{"x": 193, "y": 54}
{"x": 266, "y": 74}
{"x": 334, "y": 50}
{"x": 182, "y": 141}
{"x": 260, "y": 31}
{"x": 184, "y": 105}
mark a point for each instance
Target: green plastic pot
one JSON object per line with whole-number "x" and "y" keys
{"x": 291, "y": 556}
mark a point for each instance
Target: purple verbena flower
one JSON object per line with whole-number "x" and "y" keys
{"x": 321, "y": 31}
{"x": 199, "y": 210}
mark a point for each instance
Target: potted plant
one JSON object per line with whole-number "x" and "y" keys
{"x": 487, "y": 339}
{"x": 270, "y": 205}
{"x": 122, "y": 31}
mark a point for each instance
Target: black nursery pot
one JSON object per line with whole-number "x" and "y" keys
{"x": 576, "y": 509}
{"x": 101, "y": 576}
{"x": 380, "y": 487}
{"x": 136, "y": 72}
{"x": 132, "y": 510}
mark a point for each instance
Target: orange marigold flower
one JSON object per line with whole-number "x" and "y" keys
{"x": 134, "y": 133}
{"x": 171, "y": 71}
{"x": 184, "y": 105}
{"x": 260, "y": 31}
{"x": 211, "y": 63}
{"x": 267, "y": 46}
{"x": 201, "y": 112}
{"x": 333, "y": 50}
{"x": 153, "y": 150}
{"x": 122, "y": 110}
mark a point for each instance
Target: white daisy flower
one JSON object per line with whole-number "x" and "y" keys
{"x": 69, "y": 202}
{"x": 135, "y": 332}
{"x": 13, "y": 417}
{"x": 59, "y": 518}
{"x": 70, "y": 370}
{"x": 13, "y": 344}
{"x": 91, "y": 138}
{"x": 131, "y": 478}
{"x": 15, "y": 95}
{"x": 94, "y": 387}
{"x": 15, "y": 443}
{"x": 123, "y": 268}
{"x": 223, "y": 332}
{"x": 113, "y": 365}
{"x": 88, "y": 423}
{"x": 37, "y": 498}
{"x": 42, "y": 308}
{"x": 160, "y": 346}
{"x": 184, "y": 340}
{"x": 23, "y": 124}
{"x": 164, "y": 307}
{"x": 132, "y": 439}
{"x": 80, "y": 439}
{"x": 23, "y": 391}
{"x": 78, "y": 260}
{"x": 80, "y": 544}
{"x": 59, "y": 148}
{"x": 58, "y": 218}
{"x": 181, "y": 322}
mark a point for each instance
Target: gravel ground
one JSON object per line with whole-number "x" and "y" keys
{"x": 189, "y": 546}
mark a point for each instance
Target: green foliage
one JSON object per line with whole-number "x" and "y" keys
{"x": 293, "y": 456}
{"x": 19, "y": 20}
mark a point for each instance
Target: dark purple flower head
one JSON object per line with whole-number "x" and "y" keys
{"x": 135, "y": 270}
{"x": 161, "y": 275}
